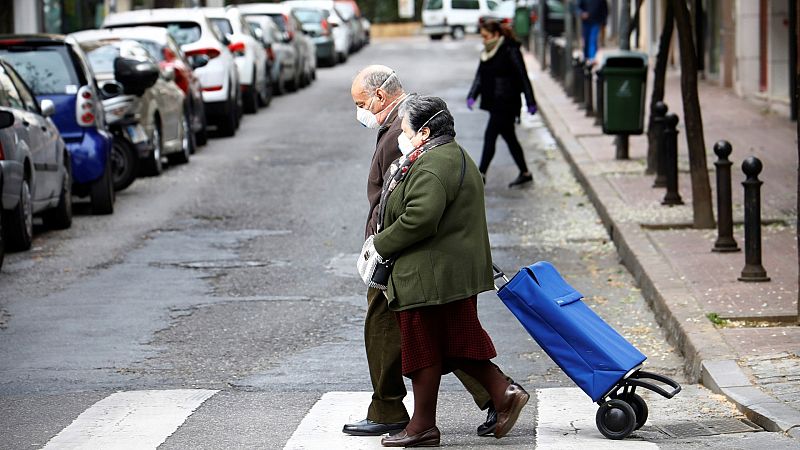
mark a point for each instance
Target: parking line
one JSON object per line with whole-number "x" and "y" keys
{"x": 130, "y": 420}
{"x": 566, "y": 421}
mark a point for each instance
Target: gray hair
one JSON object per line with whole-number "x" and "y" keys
{"x": 376, "y": 76}
{"x": 422, "y": 110}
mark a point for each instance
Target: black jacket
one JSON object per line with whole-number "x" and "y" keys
{"x": 597, "y": 9}
{"x": 501, "y": 79}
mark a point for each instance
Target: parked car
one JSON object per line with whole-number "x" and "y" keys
{"x": 314, "y": 24}
{"x": 292, "y": 65}
{"x": 158, "y": 105}
{"x": 503, "y": 13}
{"x": 56, "y": 69}
{"x": 554, "y": 15}
{"x": 279, "y": 53}
{"x": 163, "y": 47}
{"x": 351, "y": 14}
{"x": 34, "y": 164}
{"x": 249, "y": 53}
{"x": 453, "y": 17}
{"x": 367, "y": 25}
{"x": 207, "y": 48}
{"x": 342, "y": 33}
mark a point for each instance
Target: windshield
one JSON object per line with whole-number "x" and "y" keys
{"x": 434, "y": 4}
{"x": 183, "y": 32}
{"x": 102, "y": 54}
{"x": 308, "y": 15}
{"x": 46, "y": 70}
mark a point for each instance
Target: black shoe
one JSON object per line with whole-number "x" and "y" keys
{"x": 487, "y": 428}
{"x": 520, "y": 180}
{"x": 367, "y": 427}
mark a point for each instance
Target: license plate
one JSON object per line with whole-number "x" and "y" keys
{"x": 136, "y": 133}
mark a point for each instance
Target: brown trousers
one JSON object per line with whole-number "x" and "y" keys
{"x": 382, "y": 340}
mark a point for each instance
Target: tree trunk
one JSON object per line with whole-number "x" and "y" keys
{"x": 659, "y": 80}
{"x": 693, "y": 120}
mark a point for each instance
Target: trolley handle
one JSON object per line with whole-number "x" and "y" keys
{"x": 637, "y": 380}
{"x": 498, "y": 273}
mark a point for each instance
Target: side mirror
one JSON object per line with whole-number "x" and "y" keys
{"x": 136, "y": 75}
{"x": 111, "y": 89}
{"x": 199, "y": 61}
{"x": 6, "y": 119}
{"x": 48, "y": 107}
{"x": 168, "y": 73}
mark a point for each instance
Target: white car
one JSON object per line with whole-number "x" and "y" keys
{"x": 249, "y": 53}
{"x": 208, "y": 50}
{"x": 454, "y": 17}
{"x": 342, "y": 33}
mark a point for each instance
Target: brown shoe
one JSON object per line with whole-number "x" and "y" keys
{"x": 428, "y": 438}
{"x": 515, "y": 399}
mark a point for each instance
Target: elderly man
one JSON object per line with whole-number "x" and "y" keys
{"x": 377, "y": 93}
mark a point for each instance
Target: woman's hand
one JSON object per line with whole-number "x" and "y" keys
{"x": 532, "y": 109}
{"x": 470, "y": 103}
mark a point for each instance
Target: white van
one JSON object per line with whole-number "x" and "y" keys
{"x": 454, "y": 17}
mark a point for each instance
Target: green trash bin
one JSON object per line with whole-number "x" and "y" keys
{"x": 624, "y": 86}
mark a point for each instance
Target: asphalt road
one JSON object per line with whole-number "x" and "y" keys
{"x": 233, "y": 277}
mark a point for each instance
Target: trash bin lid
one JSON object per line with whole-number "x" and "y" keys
{"x": 624, "y": 58}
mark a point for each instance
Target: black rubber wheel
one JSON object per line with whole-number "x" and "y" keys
{"x": 153, "y": 166}
{"x": 124, "y": 163}
{"x": 251, "y": 96}
{"x": 437, "y": 37}
{"x": 201, "y": 136}
{"x": 265, "y": 97}
{"x": 60, "y": 217}
{"x": 457, "y": 34}
{"x": 639, "y": 407}
{"x": 280, "y": 84}
{"x": 102, "y": 192}
{"x": 227, "y": 124}
{"x": 182, "y": 157}
{"x": 18, "y": 226}
{"x": 2, "y": 240}
{"x": 615, "y": 419}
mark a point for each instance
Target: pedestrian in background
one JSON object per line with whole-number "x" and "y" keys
{"x": 593, "y": 14}
{"x": 500, "y": 80}
{"x": 432, "y": 221}
{"x": 377, "y": 94}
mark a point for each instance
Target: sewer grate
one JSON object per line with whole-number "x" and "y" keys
{"x": 221, "y": 264}
{"x": 709, "y": 428}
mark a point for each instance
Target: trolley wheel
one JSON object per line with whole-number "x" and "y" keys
{"x": 639, "y": 407}
{"x": 615, "y": 419}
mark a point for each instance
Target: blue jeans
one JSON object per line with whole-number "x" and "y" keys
{"x": 591, "y": 31}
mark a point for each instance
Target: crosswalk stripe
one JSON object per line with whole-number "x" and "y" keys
{"x": 321, "y": 428}
{"x": 130, "y": 420}
{"x": 566, "y": 421}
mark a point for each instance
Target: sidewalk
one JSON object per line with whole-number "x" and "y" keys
{"x": 752, "y": 354}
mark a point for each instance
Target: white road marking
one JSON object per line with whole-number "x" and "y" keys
{"x": 130, "y": 420}
{"x": 321, "y": 428}
{"x": 566, "y": 420}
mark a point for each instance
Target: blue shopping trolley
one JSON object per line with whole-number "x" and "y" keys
{"x": 597, "y": 358}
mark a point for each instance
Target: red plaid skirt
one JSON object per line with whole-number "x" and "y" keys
{"x": 433, "y": 334}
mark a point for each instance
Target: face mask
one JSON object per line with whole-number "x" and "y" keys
{"x": 489, "y": 44}
{"x": 367, "y": 117}
{"x": 405, "y": 144}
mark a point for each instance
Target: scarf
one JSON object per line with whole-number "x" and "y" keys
{"x": 488, "y": 53}
{"x": 400, "y": 167}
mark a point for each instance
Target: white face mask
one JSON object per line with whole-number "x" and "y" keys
{"x": 367, "y": 117}
{"x": 405, "y": 144}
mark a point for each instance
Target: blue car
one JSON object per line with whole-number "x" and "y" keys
{"x": 56, "y": 69}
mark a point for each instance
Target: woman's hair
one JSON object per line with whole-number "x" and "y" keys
{"x": 494, "y": 26}
{"x": 421, "y": 109}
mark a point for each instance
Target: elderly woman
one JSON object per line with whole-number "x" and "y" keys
{"x": 433, "y": 224}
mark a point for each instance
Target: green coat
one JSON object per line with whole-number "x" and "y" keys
{"x": 437, "y": 231}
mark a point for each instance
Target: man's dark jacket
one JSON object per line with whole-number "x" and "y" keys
{"x": 386, "y": 151}
{"x": 501, "y": 79}
{"x": 597, "y": 9}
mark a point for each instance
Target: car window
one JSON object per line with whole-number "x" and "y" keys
{"x": 434, "y": 4}
{"x": 24, "y": 93}
{"x": 101, "y": 57}
{"x": 308, "y": 15}
{"x": 506, "y": 9}
{"x": 223, "y": 26}
{"x": 183, "y": 32}
{"x": 12, "y": 96}
{"x": 48, "y": 70}
{"x": 246, "y": 28}
{"x": 154, "y": 49}
{"x": 279, "y": 20}
{"x": 493, "y": 5}
{"x": 466, "y": 4}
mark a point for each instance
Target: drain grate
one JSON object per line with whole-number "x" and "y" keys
{"x": 709, "y": 428}
{"x": 220, "y": 264}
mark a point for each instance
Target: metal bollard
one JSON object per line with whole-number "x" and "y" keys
{"x": 553, "y": 58}
{"x": 753, "y": 270}
{"x": 588, "y": 96}
{"x": 577, "y": 80}
{"x": 659, "y": 111}
{"x": 725, "y": 241}
{"x": 672, "y": 196}
{"x": 599, "y": 111}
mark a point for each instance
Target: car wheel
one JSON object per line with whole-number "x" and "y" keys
{"x": 251, "y": 96}
{"x": 437, "y": 37}
{"x": 124, "y": 163}
{"x": 227, "y": 123}
{"x": 2, "y": 241}
{"x": 60, "y": 217}
{"x": 458, "y": 33}
{"x": 343, "y": 57}
{"x": 153, "y": 165}
{"x": 182, "y": 157}
{"x": 102, "y": 192}
{"x": 266, "y": 94}
{"x": 18, "y": 226}
{"x": 201, "y": 137}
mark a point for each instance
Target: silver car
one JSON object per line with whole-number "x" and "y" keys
{"x": 35, "y": 175}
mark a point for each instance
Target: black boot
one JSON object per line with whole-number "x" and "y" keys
{"x": 521, "y": 180}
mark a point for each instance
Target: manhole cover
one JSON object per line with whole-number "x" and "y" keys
{"x": 709, "y": 428}
{"x": 222, "y": 264}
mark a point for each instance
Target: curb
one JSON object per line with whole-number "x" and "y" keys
{"x": 709, "y": 359}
